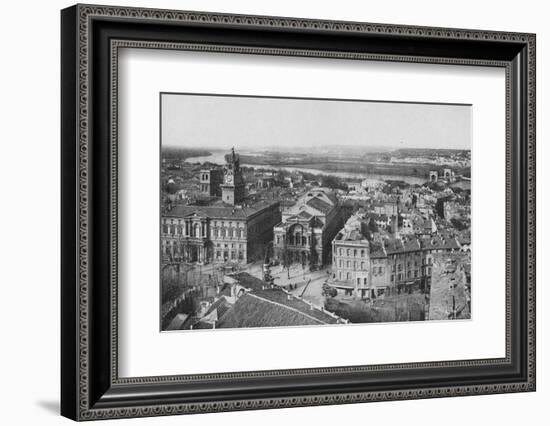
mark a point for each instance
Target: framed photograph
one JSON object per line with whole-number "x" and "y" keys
{"x": 263, "y": 212}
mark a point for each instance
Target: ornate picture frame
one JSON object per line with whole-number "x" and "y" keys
{"x": 91, "y": 37}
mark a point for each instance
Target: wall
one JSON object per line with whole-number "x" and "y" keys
{"x": 29, "y": 225}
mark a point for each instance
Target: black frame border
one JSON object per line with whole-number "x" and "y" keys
{"x": 90, "y": 388}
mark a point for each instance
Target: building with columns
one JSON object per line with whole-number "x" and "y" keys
{"x": 308, "y": 227}
{"x": 230, "y": 229}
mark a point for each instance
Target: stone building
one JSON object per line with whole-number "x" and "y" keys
{"x": 210, "y": 181}
{"x": 370, "y": 267}
{"x": 233, "y": 187}
{"x": 308, "y": 227}
{"x": 228, "y": 229}
{"x": 351, "y": 255}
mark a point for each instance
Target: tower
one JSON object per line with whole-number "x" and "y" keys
{"x": 211, "y": 180}
{"x": 233, "y": 183}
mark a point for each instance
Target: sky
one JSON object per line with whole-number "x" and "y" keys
{"x": 216, "y": 122}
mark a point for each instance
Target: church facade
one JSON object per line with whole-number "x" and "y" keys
{"x": 308, "y": 227}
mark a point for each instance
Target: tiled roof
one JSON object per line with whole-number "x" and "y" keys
{"x": 219, "y": 305}
{"x": 439, "y": 243}
{"x": 320, "y": 205}
{"x": 272, "y": 308}
{"x": 249, "y": 281}
{"x": 353, "y": 235}
{"x": 410, "y": 243}
{"x": 218, "y": 210}
{"x": 377, "y": 250}
{"x": 401, "y": 245}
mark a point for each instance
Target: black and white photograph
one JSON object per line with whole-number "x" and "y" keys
{"x": 287, "y": 212}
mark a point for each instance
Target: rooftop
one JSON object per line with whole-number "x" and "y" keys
{"x": 220, "y": 210}
{"x": 273, "y": 308}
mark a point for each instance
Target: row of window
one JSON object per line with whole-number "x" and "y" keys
{"x": 352, "y": 252}
{"x": 294, "y": 240}
{"x": 223, "y": 232}
{"x": 347, "y": 276}
{"x": 195, "y": 231}
{"x": 409, "y": 275}
{"x": 362, "y": 266}
{"x": 221, "y": 254}
{"x": 215, "y": 223}
{"x": 240, "y": 246}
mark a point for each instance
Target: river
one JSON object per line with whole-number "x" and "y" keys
{"x": 218, "y": 157}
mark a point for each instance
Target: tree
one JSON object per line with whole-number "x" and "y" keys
{"x": 313, "y": 258}
{"x": 329, "y": 181}
{"x": 286, "y": 259}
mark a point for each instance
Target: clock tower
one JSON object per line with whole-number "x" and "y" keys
{"x": 233, "y": 183}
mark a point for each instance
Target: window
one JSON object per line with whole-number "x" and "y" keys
{"x": 347, "y": 252}
{"x": 348, "y": 263}
{"x": 408, "y": 274}
{"x": 354, "y": 253}
{"x": 399, "y": 267}
{"x": 362, "y": 253}
{"x": 340, "y": 275}
{"x": 362, "y": 265}
{"x": 416, "y": 273}
{"x": 341, "y": 252}
{"x": 392, "y": 278}
{"x": 365, "y": 281}
{"x": 358, "y": 281}
{"x": 399, "y": 277}
{"x": 348, "y": 275}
